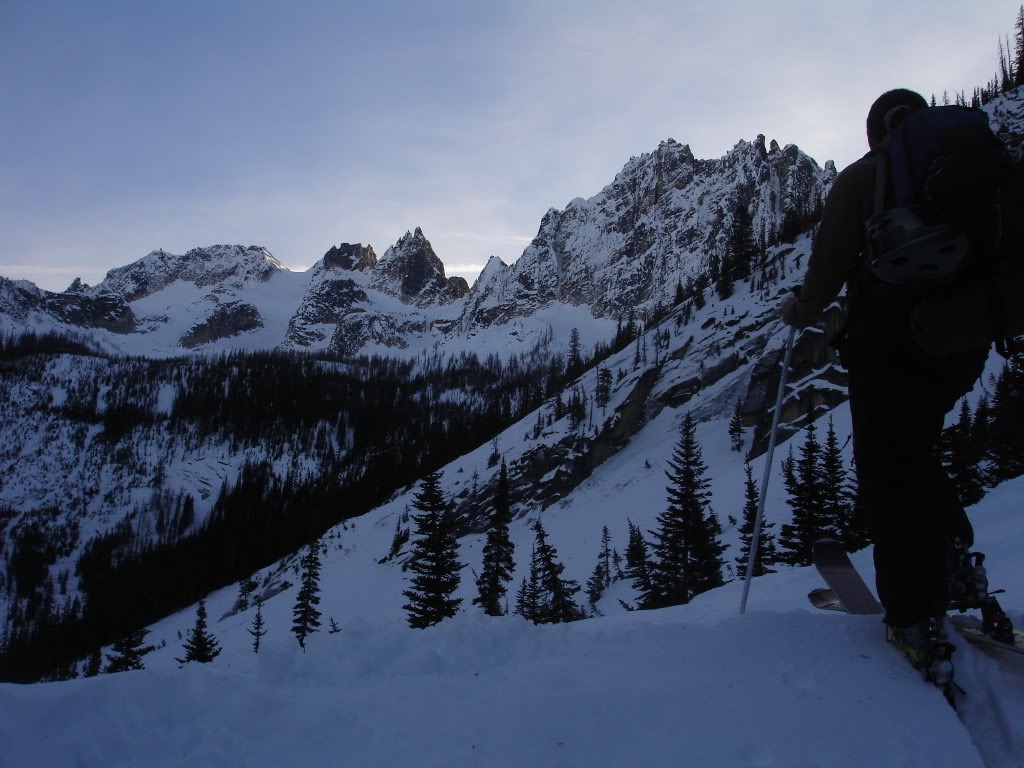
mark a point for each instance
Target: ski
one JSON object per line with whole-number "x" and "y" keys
{"x": 848, "y": 589}
{"x": 970, "y": 628}
{"x": 847, "y": 593}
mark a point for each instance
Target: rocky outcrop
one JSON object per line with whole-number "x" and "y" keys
{"x": 227, "y": 320}
{"x": 351, "y": 258}
{"x": 411, "y": 271}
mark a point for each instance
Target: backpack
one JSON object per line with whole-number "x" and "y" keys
{"x": 948, "y": 229}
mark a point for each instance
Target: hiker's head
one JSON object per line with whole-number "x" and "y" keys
{"x": 885, "y": 106}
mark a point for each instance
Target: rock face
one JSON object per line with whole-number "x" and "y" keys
{"x": 661, "y": 222}
{"x": 411, "y": 271}
{"x": 227, "y": 320}
{"x": 349, "y": 257}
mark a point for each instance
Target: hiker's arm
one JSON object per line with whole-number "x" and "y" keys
{"x": 838, "y": 244}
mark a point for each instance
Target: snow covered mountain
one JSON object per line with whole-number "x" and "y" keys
{"x": 137, "y": 433}
{"x": 657, "y": 226}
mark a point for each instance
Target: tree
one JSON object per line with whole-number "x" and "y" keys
{"x": 200, "y": 645}
{"x": 574, "y": 360}
{"x": 736, "y": 428}
{"x": 434, "y": 559}
{"x": 305, "y": 614}
{"x": 258, "y": 628}
{"x": 128, "y": 652}
{"x": 601, "y": 578}
{"x": 499, "y": 552}
{"x": 95, "y": 664}
{"x": 638, "y": 566}
{"x": 1005, "y": 415}
{"x": 802, "y": 479}
{"x": 765, "y": 557}
{"x": 528, "y": 597}
{"x": 837, "y": 508}
{"x": 555, "y": 603}
{"x": 603, "y": 392}
{"x": 687, "y": 550}
{"x": 1019, "y": 47}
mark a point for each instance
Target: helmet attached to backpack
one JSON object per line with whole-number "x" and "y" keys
{"x": 908, "y": 251}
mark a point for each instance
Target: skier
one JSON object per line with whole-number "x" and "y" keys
{"x": 899, "y": 396}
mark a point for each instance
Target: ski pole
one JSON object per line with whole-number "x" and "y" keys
{"x": 756, "y": 535}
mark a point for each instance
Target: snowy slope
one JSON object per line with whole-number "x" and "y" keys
{"x": 694, "y": 685}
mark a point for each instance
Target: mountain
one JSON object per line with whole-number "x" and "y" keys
{"x": 781, "y": 685}
{"x": 211, "y": 408}
{"x": 659, "y": 225}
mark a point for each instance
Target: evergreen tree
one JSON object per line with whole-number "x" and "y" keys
{"x": 305, "y": 614}
{"x": 128, "y": 652}
{"x": 687, "y": 550}
{"x": 95, "y": 665}
{"x": 638, "y": 566}
{"x": 528, "y": 597}
{"x": 962, "y": 457}
{"x": 601, "y": 578}
{"x": 555, "y": 600}
{"x": 802, "y": 479}
{"x": 603, "y": 392}
{"x": 574, "y": 359}
{"x": 836, "y": 494}
{"x": 499, "y": 552}
{"x": 1005, "y": 417}
{"x": 200, "y": 645}
{"x": 434, "y": 560}
{"x": 1019, "y": 47}
{"x": 736, "y": 428}
{"x": 258, "y": 628}
{"x": 765, "y": 557}
{"x": 742, "y": 243}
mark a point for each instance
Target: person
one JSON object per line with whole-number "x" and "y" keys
{"x": 898, "y": 397}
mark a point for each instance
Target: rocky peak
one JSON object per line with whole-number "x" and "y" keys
{"x": 350, "y": 257}
{"x": 412, "y": 271}
{"x": 202, "y": 266}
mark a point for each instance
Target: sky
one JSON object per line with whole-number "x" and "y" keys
{"x": 128, "y": 126}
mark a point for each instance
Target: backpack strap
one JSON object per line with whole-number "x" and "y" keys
{"x": 881, "y": 178}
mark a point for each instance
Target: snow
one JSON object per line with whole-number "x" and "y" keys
{"x": 782, "y": 685}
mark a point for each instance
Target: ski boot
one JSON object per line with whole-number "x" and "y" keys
{"x": 967, "y": 587}
{"x": 927, "y": 649}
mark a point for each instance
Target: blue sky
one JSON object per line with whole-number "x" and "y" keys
{"x": 136, "y": 125}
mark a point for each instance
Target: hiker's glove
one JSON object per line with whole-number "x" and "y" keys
{"x": 799, "y": 314}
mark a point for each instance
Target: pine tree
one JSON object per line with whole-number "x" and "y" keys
{"x": 305, "y": 614}
{"x": 1005, "y": 416}
{"x": 95, "y": 665}
{"x": 687, "y": 550}
{"x": 258, "y": 628}
{"x": 555, "y": 600}
{"x": 736, "y": 428}
{"x": 528, "y": 597}
{"x": 638, "y": 565}
{"x": 836, "y": 494}
{"x": 765, "y": 556}
{"x": 574, "y": 359}
{"x": 802, "y": 479}
{"x": 601, "y": 578}
{"x": 200, "y": 645}
{"x": 603, "y": 392}
{"x": 499, "y": 552}
{"x": 962, "y": 457}
{"x": 1019, "y": 47}
{"x": 128, "y": 652}
{"x": 434, "y": 559}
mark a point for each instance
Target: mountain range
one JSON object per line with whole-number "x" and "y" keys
{"x": 186, "y": 381}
